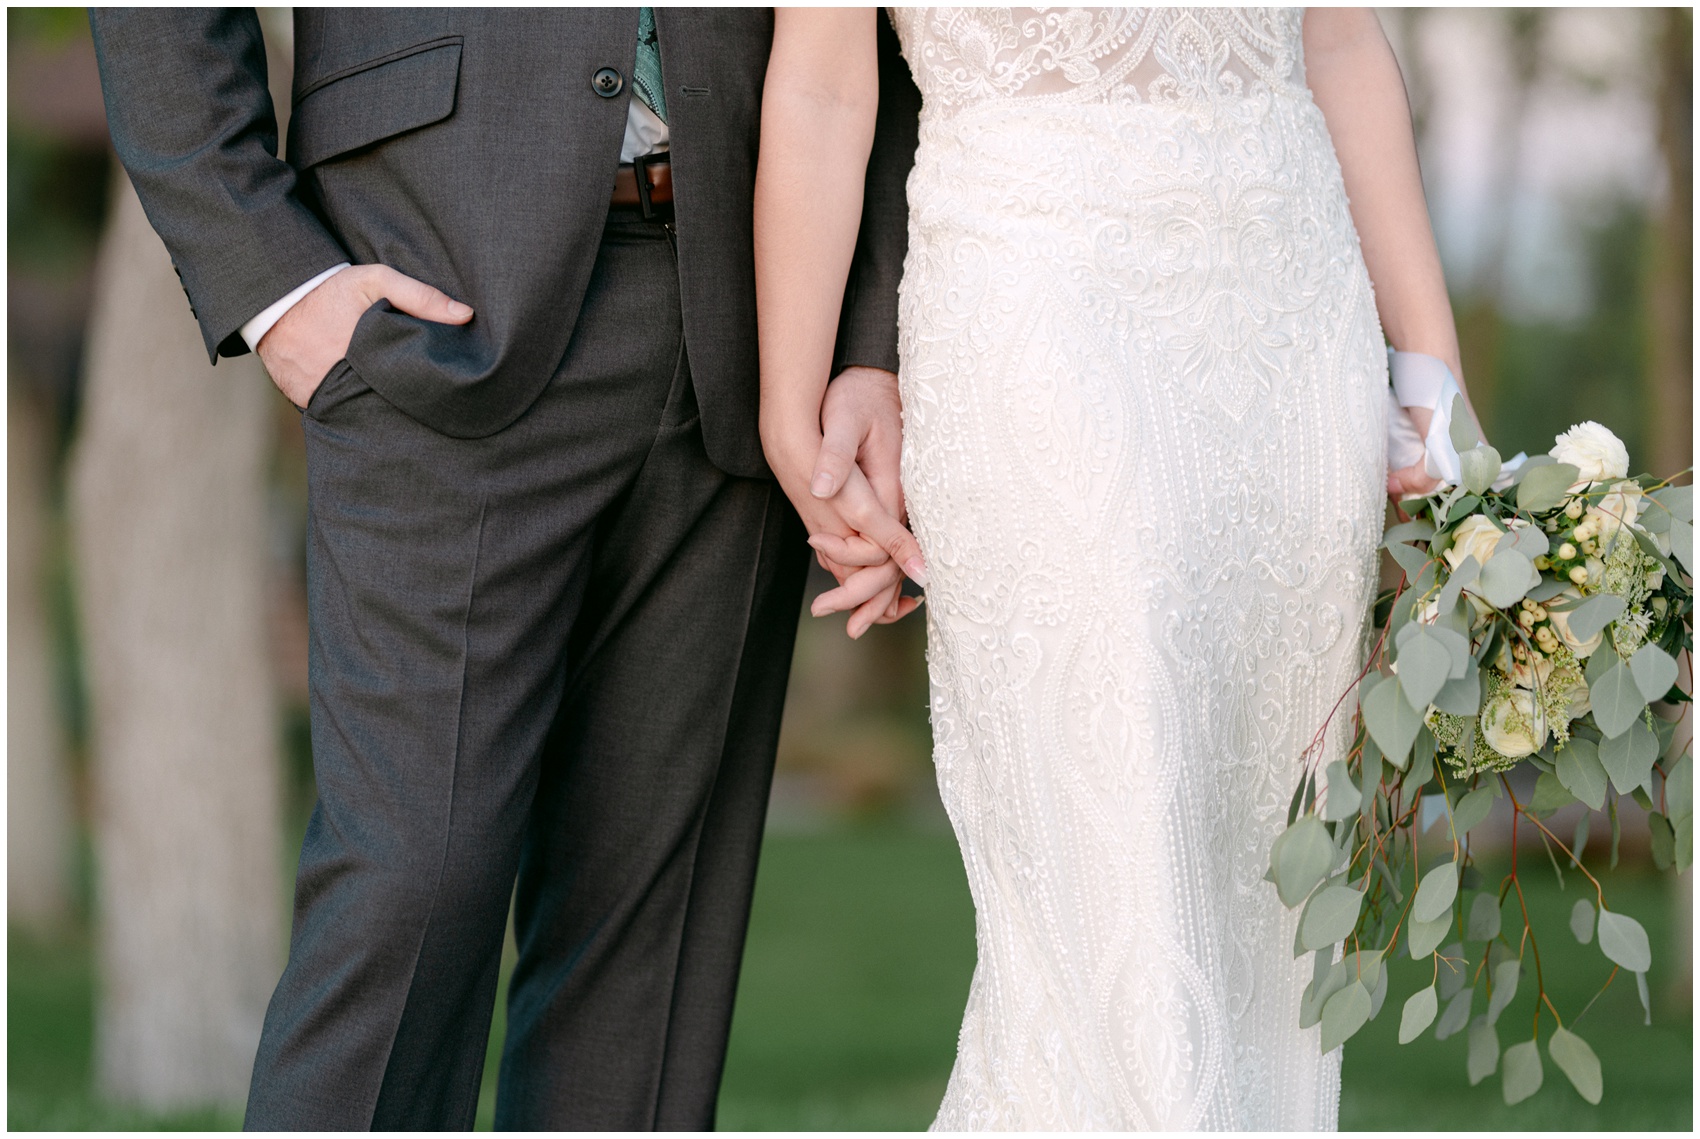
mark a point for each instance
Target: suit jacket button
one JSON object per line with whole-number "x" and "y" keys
{"x": 607, "y": 82}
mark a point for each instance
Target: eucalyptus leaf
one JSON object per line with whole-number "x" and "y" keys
{"x": 1456, "y": 1016}
{"x": 1594, "y": 614}
{"x": 1646, "y": 1000}
{"x": 1391, "y": 719}
{"x": 1410, "y": 559}
{"x": 1462, "y": 696}
{"x": 1582, "y": 920}
{"x": 1550, "y": 794}
{"x": 1418, "y": 1014}
{"x": 1530, "y": 464}
{"x": 1378, "y": 993}
{"x": 1482, "y": 1056}
{"x": 1302, "y": 857}
{"x": 1617, "y": 702}
{"x": 1601, "y": 661}
{"x": 1471, "y": 810}
{"x": 1522, "y": 1076}
{"x": 1465, "y": 574}
{"x": 1426, "y": 935}
{"x": 1416, "y": 530}
{"x": 1654, "y": 671}
{"x": 1345, "y": 1013}
{"x": 1325, "y": 982}
{"x": 1578, "y": 1063}
{"x": 1549, "y": 588}
{"x": 1330, "y": 916}
{"x": 1579, "y": 769}
{"x": 1624, "y": 942}
{"x": 1662, "y": 840}
{"x": 1292, "y": 817}
{"x": 1463, "y": 507}
{"x": 1425, "y": 664}
{"x": 1436, "y": 892}
{"x": 1655, "y": 517}
{"x": 1546, "y": 486}
{"x": 1629, "y": 758}
{"x": 1344, "y": 799}
{"x": 1462, "y": 429}
{"x": 1682, "y": 544}
{"x": 1480, "y": 467}
{"x": 1506, "y": 578}
{"x": 1532, "y": 541}
{"x": 1504, "y": 988}
{"x": 1483, "y": 924}
{"x": 1422, "y": 759}
{"x": 1679, "y": 500}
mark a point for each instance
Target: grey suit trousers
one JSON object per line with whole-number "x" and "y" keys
{"x": 546, "y": 664}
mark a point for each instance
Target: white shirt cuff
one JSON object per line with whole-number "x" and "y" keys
{"x": 255, "y": 329}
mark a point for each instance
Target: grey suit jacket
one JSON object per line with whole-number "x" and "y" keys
{"x": 469, "y": 149}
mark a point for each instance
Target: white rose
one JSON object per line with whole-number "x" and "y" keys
{"x": 1561, "y": 625}
{"x": 1594, "y": 451}
{"x": 1512, "y": 724}
{"x": 1619, "y": 507}
{"x": 1475, "y": 537}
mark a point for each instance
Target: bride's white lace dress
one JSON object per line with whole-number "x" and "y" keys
{"x": 1143, "y": 391}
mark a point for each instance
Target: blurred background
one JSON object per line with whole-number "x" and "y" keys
{"x": 158, "y": 775}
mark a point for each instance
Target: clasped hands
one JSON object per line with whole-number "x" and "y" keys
{"x": 842, "y": 474}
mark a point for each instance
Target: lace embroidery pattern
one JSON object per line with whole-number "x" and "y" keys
{"x": 1143, "y": 386}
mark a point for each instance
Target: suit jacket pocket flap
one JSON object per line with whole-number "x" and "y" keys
{"x": 402, "y": 91}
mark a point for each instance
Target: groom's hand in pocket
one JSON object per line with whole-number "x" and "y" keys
{"x": 313, "y": 335}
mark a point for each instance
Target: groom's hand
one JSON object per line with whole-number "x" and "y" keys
{"x": 313, "y": 335}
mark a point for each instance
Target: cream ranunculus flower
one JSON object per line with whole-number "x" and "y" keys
{"x": 1476, "y": 537}
{"x": 1561, "y": 625}
{"x": 1512, "y": 723}
{"x": 1594, "y": 451}
{"x": 1620, "y": 506}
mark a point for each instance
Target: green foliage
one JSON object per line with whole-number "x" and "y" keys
{"x": 1624, "y": 941}
{"x": 1578, "y": 1063}
{"x": 1522, "y": 1077}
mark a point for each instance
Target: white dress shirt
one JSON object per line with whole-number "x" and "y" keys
{"x": 646, "y": 134}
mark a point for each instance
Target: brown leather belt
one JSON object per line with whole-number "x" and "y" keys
{"x": 646, "y": 183}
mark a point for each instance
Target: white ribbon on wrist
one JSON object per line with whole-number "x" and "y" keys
{"x": 1421, "y": 380}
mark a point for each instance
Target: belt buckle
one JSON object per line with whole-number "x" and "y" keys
{"x": 640, "y": 168}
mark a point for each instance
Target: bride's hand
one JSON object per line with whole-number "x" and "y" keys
{"x": 869, "y": 586}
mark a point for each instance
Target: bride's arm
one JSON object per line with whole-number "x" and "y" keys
{"x": 818, "y": 107}
{"x": 1355, "y": 80}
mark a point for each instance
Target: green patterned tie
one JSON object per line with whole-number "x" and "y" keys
{"x": 646, "y": 78}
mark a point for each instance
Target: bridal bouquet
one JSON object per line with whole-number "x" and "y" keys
{"x": 1543, "y": 608}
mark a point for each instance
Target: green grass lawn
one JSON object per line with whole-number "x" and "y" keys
{"x": 860, "y": 950}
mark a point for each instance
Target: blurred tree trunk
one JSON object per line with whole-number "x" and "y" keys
{"x": 38, "y": 792}
{"x": 169, "y": 507}
{"x": 1671, "y": 289}
{"x": 1670, "y": 296}
{"x": 1480, "y": 319}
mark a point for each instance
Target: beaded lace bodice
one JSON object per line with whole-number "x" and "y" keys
{"x": 1143, "y": 388}
{"x": 1175, "y": 57}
